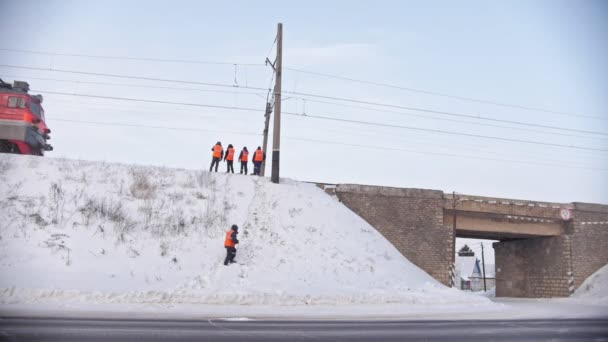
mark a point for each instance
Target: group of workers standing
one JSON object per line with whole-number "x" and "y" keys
{"x": 228, "y": 156}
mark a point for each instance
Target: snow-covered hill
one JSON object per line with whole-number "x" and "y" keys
{"x": 98, "y": 232}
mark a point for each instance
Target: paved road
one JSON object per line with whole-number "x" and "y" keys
{"x": 60, "y": 329}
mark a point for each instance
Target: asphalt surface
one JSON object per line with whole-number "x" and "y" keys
{"x": 62, "y": 329}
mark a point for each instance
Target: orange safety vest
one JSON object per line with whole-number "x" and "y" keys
{"x": 229, "y": 242}
{"x": 217, "y": 151}
{"x": 230, "y": 156}
{"x": 245, "y": 156}
{"x": 259, "y": 156}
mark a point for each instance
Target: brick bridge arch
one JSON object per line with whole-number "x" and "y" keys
{"x": 539, "y": 254}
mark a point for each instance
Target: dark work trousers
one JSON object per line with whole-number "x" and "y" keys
{"x": 230, "y": 254}
{"x": 215, "y": 161}
{"x": 229, "y": 166}
{"x": 244, "y": 166}
{"x": 257, "y": 167}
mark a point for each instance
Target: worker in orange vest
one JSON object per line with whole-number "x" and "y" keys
{"x": 258, "y": 158}
{"x": 230, "y": 244}
{"x": 244, "y": 158}
{"x": 218, "y": 153}
{"x": 229, "y": 158}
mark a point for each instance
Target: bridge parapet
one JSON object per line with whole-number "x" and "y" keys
{"x": 504, "y": 206}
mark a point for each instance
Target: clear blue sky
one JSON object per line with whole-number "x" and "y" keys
{"x": 546, "y": 54}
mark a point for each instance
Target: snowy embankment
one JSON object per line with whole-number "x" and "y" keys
{"x": 595, "y": 288}
{"x": 101, "y": 233}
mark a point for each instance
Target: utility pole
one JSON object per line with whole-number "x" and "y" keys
{"x": 483, "y": 262}
{"x": 266, "y": 123}
{"x": 276, "y": 136}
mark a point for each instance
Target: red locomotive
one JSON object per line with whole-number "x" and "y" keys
{"x": 23, "y": 129}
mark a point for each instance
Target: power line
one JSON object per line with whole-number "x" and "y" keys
{"x": 452, "y": 120}
{"x": 444, "y": 113}
{"x": 318, "y": 101}
{"x": 331, "y": 142}
{"x": 132, "y": 77}
{"x": 314, "y": 95}
{"x": 496, "y": 103}
{"x": 136, "y": 85}
{"x": 445, "y": 132}
{"x": 440, "y": 153}
{"x": 150, "y": 126}
{"x": 130, "y": 58}
{"x": 150, "y": 101}
{"x": 326, "y": 118}
{"x": 401, "y": 140}
{"x": 451, "y": 145}
{"x": 427, "y": 92}
{"x": 466, "y": 147}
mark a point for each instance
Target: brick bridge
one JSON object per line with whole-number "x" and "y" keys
{"x": 542, "y": 252}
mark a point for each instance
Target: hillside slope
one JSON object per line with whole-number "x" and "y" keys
{"x": 110, "y": 233}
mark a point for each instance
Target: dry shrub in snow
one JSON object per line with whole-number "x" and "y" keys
{"x": 142, "y": 187}
{"x": 106, "y": 209}
{"x": 110, "y": 210}
{"x": 56, "y": 202}
{"x": 175, "y": 223}
{"x": 5, "y": 164}
{"x": 205, "y": 180}
{"x": 57, "y": 244}
{"x": 212, "y": 216}
{"x": 164, "y": 248}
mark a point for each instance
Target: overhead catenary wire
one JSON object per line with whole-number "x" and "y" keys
{"x": 427, "y": 92}
{"x": 445, "y": 132}
{"x": 430, "y": 142}
{"x": 133, "y": 77}
{"x": 330, "y": 118}
{"x": 317, "y": 101}
{"x": 336, "y": 143}
{"x": 439, "y": 153}
{"x": 315, "y": 73}
{"x": 129, "y": 58}
{"x": 454, "y": 120}
{"x": 445, "y": 113}
{"x": 475, "y": 117}
{"x": 153, "y": 126}
{"x": 138, "y": 85}
{"x": 151, "y": 101}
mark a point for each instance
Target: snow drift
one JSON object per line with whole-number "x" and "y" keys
{"x": 595, "y": 288}
{"x": 98, "y": 232}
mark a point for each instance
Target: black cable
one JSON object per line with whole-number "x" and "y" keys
{"x": 325, "y": 118}
{"x": 496, "y": 103}
{"x": 444, "y": 132}
{"x": 151, "y": 101}
{"x": 381, "y": 148}
{"x": 316, "y": 95}
{"x": 317, "y": 101}
{"x": 129, "y": 58}
{"x": 131, "y": 77}
{"x": 453, "y": 120}
{"x": 138, "y": 85}
{"x": 149, "y": 126}
{"x": 444, "y": 113}
{"x": 332, "y": 142}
